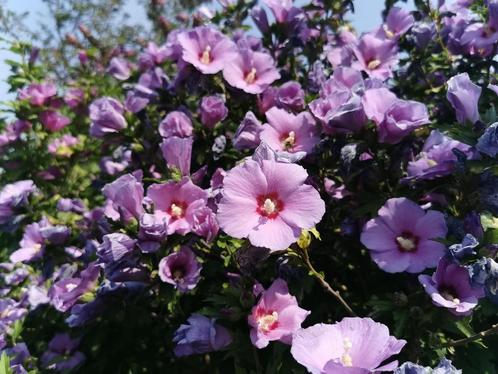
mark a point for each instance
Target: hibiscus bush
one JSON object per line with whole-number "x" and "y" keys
{"x": 263, "y": 191}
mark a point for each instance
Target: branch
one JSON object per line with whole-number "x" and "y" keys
{"x": 491, "y": 331}
{"x": 324, "y": 283}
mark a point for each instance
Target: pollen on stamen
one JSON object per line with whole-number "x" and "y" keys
{"x": 269, "y": 206}
{"x": 251, "y": 76}
{"x": 176, "y": 211}
{"x": 206, "y": 55}
{"x": 290, "y": 140}
{"x": 374, "y": 64}
{"x": 406, "y": 244}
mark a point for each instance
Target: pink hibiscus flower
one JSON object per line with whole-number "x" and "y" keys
{"x": 288, "y": 132}
{"x": 178, "y": 202}
{"x": 276, "y": 316}
{"x": 268, "y": 202}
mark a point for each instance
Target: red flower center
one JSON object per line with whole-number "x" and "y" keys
{"x": 267, "y": 320}
{"x": 269, "y": 205}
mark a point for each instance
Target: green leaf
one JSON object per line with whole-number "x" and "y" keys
{"x": 5, "y": 364}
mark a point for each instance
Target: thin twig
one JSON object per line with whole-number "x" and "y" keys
{"x": 491, "y": 331}
{"x": 324, "y": 283}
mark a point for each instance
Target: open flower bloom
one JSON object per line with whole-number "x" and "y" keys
{"x": 398, "y": 22}
{"x": 268, "y": 202}
{"x": 464, "y": 95}
{"x": 252, "y": 72}
{"x": 401, "y": 237}
{"x": 276, "y": 316}
{"x": 438, "y": 157}
{"x": 181, "y": 269}
{"x": 354, "y": 345}
{"x": 206, "y": 49}
{"x": 288, "y": 132}
{"x": 177, "y": 202}
{"x": 395, "y": 118}
{"x": 449, "y": 287}
{"x": 375, "y": 56}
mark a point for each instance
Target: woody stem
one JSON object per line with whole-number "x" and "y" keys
{"x": 491, "y": 331}
{"x": 326, "y": 286}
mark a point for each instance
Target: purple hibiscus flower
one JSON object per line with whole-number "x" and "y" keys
{"x": 464, "y": 95}
{"x": 437, "y": 157}
{"x": 206, "y": 49}
{"x": 125, "y": 197}
{"x": 176, "y": 123}
{"x": 248, "y": 133}
{"x": 181, "y": 269}
{"x": 178, "y": 203}
{"x": 200, "y": 335}
{"x": 66, "y": 292}
{"x": 339, "y": 106}
{"x": 375, "y": 56}
{"x": 252, "y": 72}
{"x": 106, "y": 114}
{"x": 178, "y": 153}
{"x": 398, "y": 22}
{"x": 395, "y": 118}
{"x": 212, "y": 110}
{"x": 449, "y": 287}
{"x": 289, "y": 132}
{"x": 62, "y": 354}
{"x": 402, "y": 237}
{"x": 38, "y": 94}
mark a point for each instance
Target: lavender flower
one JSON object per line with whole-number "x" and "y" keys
{"x": 402, "y": 237}
{"x": 125, "y": 197}
{"x": 437, "y": 157}
{"x": 464, "y": 96}
{"x": 106, "y": 114}
{"x": 62, "y": 354}
{"x": 395, "y": 118}
{"x": 375, "y": 56}
{"x": 213, "y": 110}
{"x": 248, "y": 133}
{"x": 119, "y": 68}
{"x": 178, "y": 153}
{"x": 176, "y": 124}
{"x": 206, "y": 49}
{"x": 354, "y": 345}
{"x": 252, "y": 72}
{"x": 449, "y": 287}
{"x": 488, "y": 142}
{"x": 200, "y": 335}
{"x": 181, "y": 269}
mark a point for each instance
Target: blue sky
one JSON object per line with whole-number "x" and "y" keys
{"x": 366, "y": 18}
